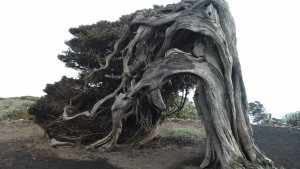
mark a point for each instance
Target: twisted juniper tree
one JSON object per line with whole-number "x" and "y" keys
{"x": 188, "y": 44}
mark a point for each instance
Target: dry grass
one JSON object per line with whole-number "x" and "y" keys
{"x": 186, "y": 132}
{"x": 15, "y": 107}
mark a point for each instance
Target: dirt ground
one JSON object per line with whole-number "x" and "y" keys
{"x": 22, "y": 146}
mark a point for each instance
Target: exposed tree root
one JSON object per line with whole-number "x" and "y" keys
{"x": 56, "y": 143}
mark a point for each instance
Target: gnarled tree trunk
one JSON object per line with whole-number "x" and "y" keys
{"x": 189, "y": 38}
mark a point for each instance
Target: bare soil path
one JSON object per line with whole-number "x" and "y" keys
{"x": 22, "y": 146}
{"x": 281, "y": 144}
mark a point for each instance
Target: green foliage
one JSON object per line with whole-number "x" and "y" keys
{"x": 188, "y": 110}
{"x": 292, "y": 119}
{"x": 48, "y": 111}
{"x": 87, "y": 50}
{"x": 258, "y": 112}
{"x": 256, "y": 108}
{"x": 92, "y": 43}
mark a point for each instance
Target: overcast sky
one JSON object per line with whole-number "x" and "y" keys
{"x": 33, "y": 32}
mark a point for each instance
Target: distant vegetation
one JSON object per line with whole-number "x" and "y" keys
{"x": 182, "y": 109}
{"x": 292, "y": 119}
{"x": 14, "y": 108}
{"x": 258, "y": 113}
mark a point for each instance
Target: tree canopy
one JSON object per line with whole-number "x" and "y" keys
{"x": 259, "y": 113}
{"x": 88, "y": 50}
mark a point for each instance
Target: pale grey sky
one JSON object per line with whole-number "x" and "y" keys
{"x": 33, "y": 32}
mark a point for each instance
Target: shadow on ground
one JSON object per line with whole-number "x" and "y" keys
{"x": 23, "y": 161}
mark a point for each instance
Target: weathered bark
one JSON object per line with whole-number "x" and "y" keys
{"x": 224, "y": 148}
{"x": 195, "y": 38}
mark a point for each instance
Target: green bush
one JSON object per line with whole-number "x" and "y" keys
{"x": 20, "y": 112}
{"x": 292, "y": 119}
{"x": 16, "y": 107}
{"x": 188, "y": 111}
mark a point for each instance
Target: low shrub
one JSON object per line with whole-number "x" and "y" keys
{"x": 292, "y": 119}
